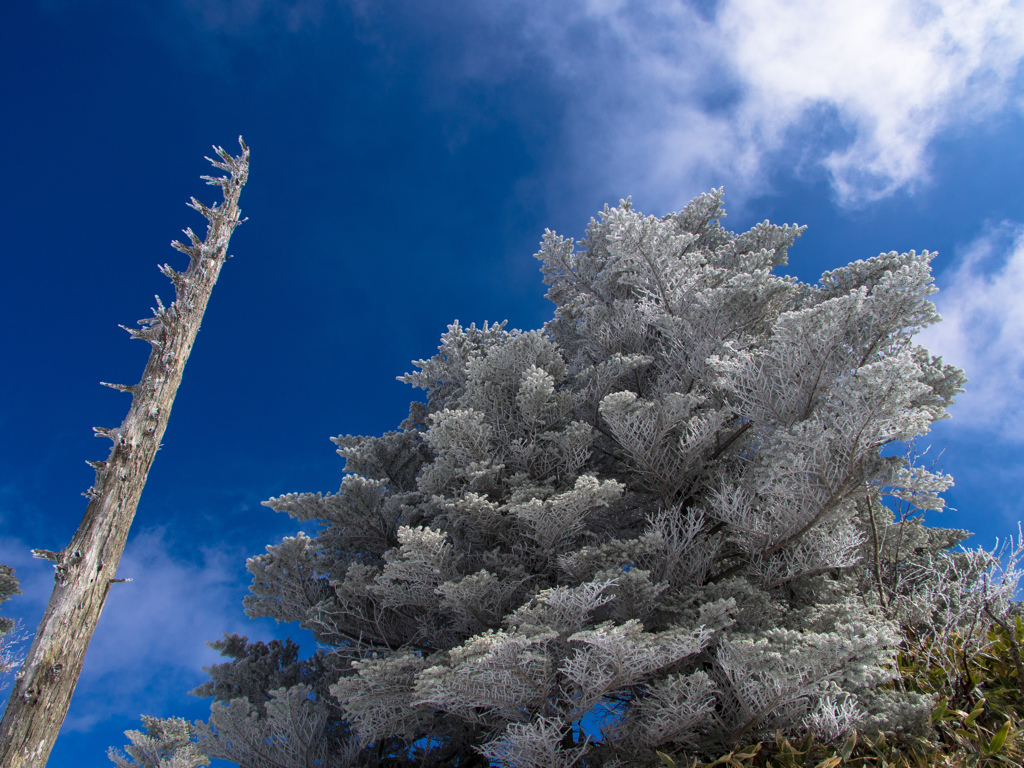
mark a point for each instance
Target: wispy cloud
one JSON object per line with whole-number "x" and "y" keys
{"x": 149, "y": 646}
{"x": 663, "y": 95}
{"x": 240, "y": 16}
{"x": 663, "y": 99}
{"x": 982, "y": 331}
{"x": 897, "y": 73}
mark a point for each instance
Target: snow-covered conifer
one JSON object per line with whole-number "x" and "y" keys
{"x": 10, "y": 636}
{"x": 670, "y": 502}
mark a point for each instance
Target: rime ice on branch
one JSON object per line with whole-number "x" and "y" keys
{"x": 88, "y": 565}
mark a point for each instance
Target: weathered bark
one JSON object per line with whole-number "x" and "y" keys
{"x": 88, "y": 565}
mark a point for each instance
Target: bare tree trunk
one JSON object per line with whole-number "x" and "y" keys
{"x": 88, "y": 565}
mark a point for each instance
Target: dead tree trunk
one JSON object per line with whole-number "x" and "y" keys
{"x": 88, "y": 565}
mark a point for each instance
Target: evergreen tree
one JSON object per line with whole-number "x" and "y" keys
{"x": 9, "y": 634}
{"x": 676, "y": 503}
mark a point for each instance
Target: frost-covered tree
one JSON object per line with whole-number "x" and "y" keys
{"x": 165, "y": 744}
{"x": 677, "y": 504}
{"x": 10, "y": 636}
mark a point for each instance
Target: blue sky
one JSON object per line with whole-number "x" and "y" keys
{"x": 406, "y": 158}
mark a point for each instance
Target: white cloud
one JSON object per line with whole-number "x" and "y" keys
{"x": 664, "y": 99}
{"x": 150, "y": 644}
{"x": 891, "y": 74}
{"x": 982, "y": 331}
{"x": 897, "y": 72}
{"x": 149, "y": 647}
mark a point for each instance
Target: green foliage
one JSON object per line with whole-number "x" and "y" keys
{"x": 981, "y": 727}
